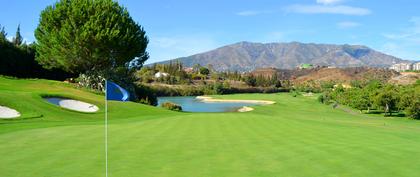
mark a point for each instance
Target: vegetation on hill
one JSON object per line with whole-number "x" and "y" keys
{"x": 173, "y": 79}
{"x": 386, "y": 98}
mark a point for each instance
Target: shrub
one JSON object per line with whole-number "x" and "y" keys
{"x": 324, "y": 98}
{"x": 295, "y": 93}
{"x": 171, "y": 106}
{"x": 321, "y": 98}
{"x": 145, "y": 95}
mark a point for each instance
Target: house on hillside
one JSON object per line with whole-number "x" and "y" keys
{"x": 402, "y": 67}
{"x": 161, "y": 74}
{"x": 305, "y": 66}
{"x": 189, "y": 70}
{"x": 416, "y": 66}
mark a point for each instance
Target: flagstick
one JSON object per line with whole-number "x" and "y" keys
{"x": 106, "y": 130}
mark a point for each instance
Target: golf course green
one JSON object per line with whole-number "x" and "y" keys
{"x": 297, "y": 136}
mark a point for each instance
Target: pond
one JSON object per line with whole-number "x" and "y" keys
{"x": 191, "y": 104}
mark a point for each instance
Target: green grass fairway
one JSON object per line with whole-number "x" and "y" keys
{"x": 294, "y": 137}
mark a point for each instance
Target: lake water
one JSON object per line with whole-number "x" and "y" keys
{"x": 191, "y": 104}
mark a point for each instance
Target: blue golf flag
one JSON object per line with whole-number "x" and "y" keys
{"x": 116, "y": 92}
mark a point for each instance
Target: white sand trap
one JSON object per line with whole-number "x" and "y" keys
{"x": 245, "y": 109}
{"x": 73, "y": 104}
{"x": 8, "y": 113}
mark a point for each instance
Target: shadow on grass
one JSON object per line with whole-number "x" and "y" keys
{"x": 393, "y": 114}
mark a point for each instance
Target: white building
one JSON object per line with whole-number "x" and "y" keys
{"x": 416, "y": 66}
{"x": 161, "y": 74}
{"x": 402, "y": 67}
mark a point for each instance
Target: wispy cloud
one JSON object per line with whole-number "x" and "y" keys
{"x": 328, "y": 9}
{"x": 252, "y": 12}
{"x": 410, "y": 34}
{"x": 347, "y": 24}
{"x": 405, "y": 42}
{"x": 9, "y": 38}
{"x": 327, "y": 2}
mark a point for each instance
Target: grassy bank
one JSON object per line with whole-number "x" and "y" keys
{"x": 294, "y": 137}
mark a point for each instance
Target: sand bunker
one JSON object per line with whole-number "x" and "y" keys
{"x": 245, "y": 109}
{"x": 210, "y": 99}
{"x": 8, "y": 113}
{"x": 73, "y": 104}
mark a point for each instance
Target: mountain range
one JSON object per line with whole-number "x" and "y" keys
{"x": 247, "y": 56}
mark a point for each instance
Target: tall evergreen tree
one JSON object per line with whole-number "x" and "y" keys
{"x": 82, "y": 36}
{"x": 18, "y": 39}
{"x": 3, "y": 34}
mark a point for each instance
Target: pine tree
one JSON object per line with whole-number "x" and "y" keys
{"x": 85, "y": 36}
{"x": 17, "y": 40}
{"x": 3, "y": 34}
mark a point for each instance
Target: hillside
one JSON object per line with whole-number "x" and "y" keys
{"x": 330, "y": 74}
{"x": 247, "y": 56}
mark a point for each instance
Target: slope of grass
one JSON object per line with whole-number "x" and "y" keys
{"x": 294, "y": 137}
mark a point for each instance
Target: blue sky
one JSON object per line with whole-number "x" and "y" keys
{"x": 179, "y": 28}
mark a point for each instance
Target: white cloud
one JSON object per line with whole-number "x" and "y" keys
{"x": 10, "y": 38}
{"x": 328, "y": 9}
{"x": 410, "y": 34}
{"x": 328, "y": 2}
{"x": 405, "y": 42}
{"x": 251, "y": 13}
{"x": 347, "y": 24}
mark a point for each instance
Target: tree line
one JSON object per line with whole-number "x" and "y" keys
{"x": 17, "y": 59}
{"x": 377, "y": 97}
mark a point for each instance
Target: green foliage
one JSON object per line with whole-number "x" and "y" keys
{"x": 171, "y": 106}
{"x": 410, "y": 101}
{"x": 83, "y": 35}
{"x": 208, "y": 89}
{"x": 376, "y": 95}
{"x": 360, "y": 100}
{"x": 145, "y": 95}
{"x": 316, "y": 86}
{"x": 90, "y": 81}
{"x": 324, "y": 98}
{"x": 235, "y": 75}
{"x": 18, "y": 39}
{"x": 356, "y": 84}
{"x": 387, "y": 99}
{"x": 204, "y": 71}
{"x": 327, "y": 85}
{"x": 175, "y": 69}
{"x": 3, "y": 34}
{"x": 295, "y": 93}
{"x": 250, "y": 80}
{"x": 18, "y": 59}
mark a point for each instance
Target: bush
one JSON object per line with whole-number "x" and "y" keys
{"x": 171, "y": 106}
{"x": 295, "y": 93}
{"x": 321, "y": 98}
{"x": 324, "y": 98}
{"x": 91, "y": 81}
{"x": 145, "y": 95}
